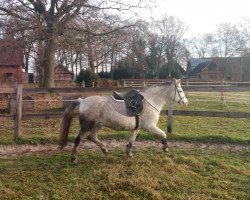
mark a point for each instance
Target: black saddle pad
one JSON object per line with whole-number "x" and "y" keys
{"x": 134, "y": 103}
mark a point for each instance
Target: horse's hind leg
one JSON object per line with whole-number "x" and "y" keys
{"x": 93, "y": 137}
{"x": 86, "y": 128}
{"x": 132, "y": 138}
{"x": 81, "y": 137}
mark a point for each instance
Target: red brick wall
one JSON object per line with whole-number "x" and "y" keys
{"x": 14, "y": 70}
{"x": 62, "y": 74}
{"x": 63, "y": 77}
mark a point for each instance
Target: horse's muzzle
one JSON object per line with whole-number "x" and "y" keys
{"x": 184, "y": 103}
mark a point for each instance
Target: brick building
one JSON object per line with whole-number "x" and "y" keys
{"x": 63, "y": 76}
{"x": 206, "y": 71}
{"x": 11, "y": 62}
{"x": 229, "y": 68}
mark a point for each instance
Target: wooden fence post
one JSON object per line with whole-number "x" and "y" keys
{"x": 222, "y": 92}
{"x": 18, "y": 115}
{"x": 170, "y": 116}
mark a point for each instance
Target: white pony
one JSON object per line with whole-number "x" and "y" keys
{"x": 98, "y": 111}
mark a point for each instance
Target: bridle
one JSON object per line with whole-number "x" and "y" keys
{"x": 178, "y": 92}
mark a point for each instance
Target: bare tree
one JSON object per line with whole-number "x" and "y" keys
{"x": 246, "y": 31}
{"x": 156, "y": 53}
{"x": 172, "y": 31}
{"x": 54, "y": 16}
{"x": 203, "y": 45}
{"x": 229, "y": 39}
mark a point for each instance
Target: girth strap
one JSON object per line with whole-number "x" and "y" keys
{"x": 136, "y": 122}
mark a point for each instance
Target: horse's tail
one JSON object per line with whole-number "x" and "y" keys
{"x": 66, "y": 122}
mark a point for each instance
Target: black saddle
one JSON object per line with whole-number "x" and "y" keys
{"x": 133, "y": 101}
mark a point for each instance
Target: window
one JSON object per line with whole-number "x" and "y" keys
{"x": 9, "y": 77}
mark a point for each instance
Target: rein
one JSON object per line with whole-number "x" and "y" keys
{"x": 153, "y": 106}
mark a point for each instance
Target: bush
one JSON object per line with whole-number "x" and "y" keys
{"x": 164, "y": 72}
{"x": 88, "y": 76}
{"x": 122, "y": 73}
{"x": 104, "y": 74}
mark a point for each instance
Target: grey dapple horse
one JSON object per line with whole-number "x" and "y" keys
{"x": 98, "y": 111}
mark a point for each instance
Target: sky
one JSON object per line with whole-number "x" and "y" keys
{"x": 202, "y": 16}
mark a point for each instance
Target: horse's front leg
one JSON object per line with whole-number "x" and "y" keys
{"x": 131, "y": 140}
{"x": 161, "y": 133}
{"x": 81, "y": 137}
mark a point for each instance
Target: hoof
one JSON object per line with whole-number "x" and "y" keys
{"x": 130, "y": 154}
{"x": 165, "y": 149}
{"x": 105, "y": 151}
{"x": 129, "y": 149}
{"x": 74, "y": 161}
{"x": 165, "y": 145}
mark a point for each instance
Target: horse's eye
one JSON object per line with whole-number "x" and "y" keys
{"x": 180, "y": 91}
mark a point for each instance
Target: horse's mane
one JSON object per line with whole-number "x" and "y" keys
{"x": 159, "y": 85}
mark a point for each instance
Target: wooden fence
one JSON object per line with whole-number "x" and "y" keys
{"x": 149, "y": 82}
{"x": 18, "y": 116}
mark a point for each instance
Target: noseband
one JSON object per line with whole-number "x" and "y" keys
{"x": 177, "y": 91}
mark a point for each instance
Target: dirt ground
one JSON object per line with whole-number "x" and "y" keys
{"x": 16, "y": 150}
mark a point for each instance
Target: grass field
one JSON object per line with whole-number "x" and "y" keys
{"x": 202, "y": 129}
{"x": 181, "y": 174}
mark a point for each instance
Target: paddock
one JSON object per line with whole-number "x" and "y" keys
{"x": 208, "y": 156}
{"x": 230, "y": 100}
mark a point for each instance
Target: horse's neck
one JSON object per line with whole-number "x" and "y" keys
{"x": 158, "y": 95}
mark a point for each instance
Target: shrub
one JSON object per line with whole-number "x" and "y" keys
{"x": 88, "y": 76}
{"x": 104, "y": 74}
{"x": 122, "y": 73}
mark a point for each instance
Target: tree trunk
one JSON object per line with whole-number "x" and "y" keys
{"x": 26, "y": 55}
{"x": 91, "y": 59}
{"x": 90, "y": 54}
{"x": 80, "y": 62}
{"x": 49, "y": 64}
{"x": 39, "y": 63}
{"x": 112, "y": 65}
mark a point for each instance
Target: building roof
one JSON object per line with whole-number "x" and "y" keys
{"x": 63, "y": 70}
{"x": 201, "y": 66}
{"x": 194, "y": 62}
{"x": 11, "y": 53}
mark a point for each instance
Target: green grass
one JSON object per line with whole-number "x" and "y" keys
{"x": 199, "y": 129}
{"x": 152, "y": 174}
{"x": 211, "y": 101}
{"x": 181, "y": 174}
{"x": 202, "y": 129}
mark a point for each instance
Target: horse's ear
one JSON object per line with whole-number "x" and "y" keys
{"x": 177, "y": 81}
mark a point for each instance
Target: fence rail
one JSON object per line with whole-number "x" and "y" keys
{"x": 149, "y": 82}
{"x": 18, "y": 116}
{"x": 28, "y": 116}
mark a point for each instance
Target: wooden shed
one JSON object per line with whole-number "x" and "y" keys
{"x": 11, "y": 62}
{"x": 63, "y": 76}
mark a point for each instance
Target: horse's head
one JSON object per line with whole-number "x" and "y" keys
{"x": 178, "y": 94}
